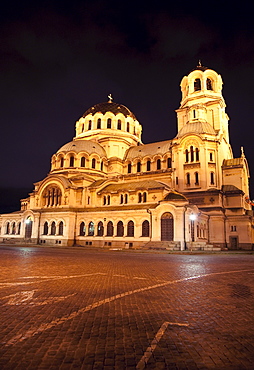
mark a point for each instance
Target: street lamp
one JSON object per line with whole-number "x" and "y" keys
{"x": 192, "y": 219}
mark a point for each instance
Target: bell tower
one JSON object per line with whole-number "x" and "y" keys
{"x": 202, "y": 101}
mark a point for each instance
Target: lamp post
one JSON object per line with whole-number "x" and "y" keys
{"x": 193, "y": 217}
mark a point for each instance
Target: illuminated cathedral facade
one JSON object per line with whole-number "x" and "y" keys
{"x": 108, "y": 189}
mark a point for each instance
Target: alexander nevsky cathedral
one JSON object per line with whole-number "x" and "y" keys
{"x": 108, "y": 189}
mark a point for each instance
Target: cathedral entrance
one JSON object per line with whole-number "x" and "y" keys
{"x": 167, "y": 227}
{"x": 29, "y": 228}
{"x": 233, "y": 242}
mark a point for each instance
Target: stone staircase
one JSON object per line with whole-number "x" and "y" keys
{"x": 162, "y": 245}
{"x": 201, "y": 246}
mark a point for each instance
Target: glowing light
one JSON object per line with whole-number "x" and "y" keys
{"x": 193, "y": 217}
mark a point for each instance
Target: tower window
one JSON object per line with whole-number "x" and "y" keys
{"x": 99, "y": 123}
{"x": 196, "y": 178}
{"x": 211, "y": 157}
{"x": 194, "y": 113}
{"x": 158, "y": 164}
{"x": 209, "y": 84}
{"x": 82, "y": 162}
{"x": 119, "y": 125}
{"x": 90, "y": 125}
{"x": 129, "y": 167}
{"x": 169, "y": 162}
{"x": 212, "y": 178}
{"x": 197, "y": 84}
{"x": 109, "y": 123}
{"x": 93, "y": 163}
{"x": 186, "y": 156}
{"x": 187, "y": 179}
{"x": 72, "y": 161}
{"x": 138, "y": 167}
{"x": 197, "y": 154}
{"x": 61, "y": 162}
{"x": 191, "y": 154}
{"x": 128, "y": 127}
{"x": 101, "y": 165}
{"x": 148, "y": 165}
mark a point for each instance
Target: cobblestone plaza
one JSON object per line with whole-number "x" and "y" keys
{"x": 99, "y": 309}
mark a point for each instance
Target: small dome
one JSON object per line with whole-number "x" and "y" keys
{"x": 173, "y": 195}
{"x": 196, "y": 128}
{"x": 109, "y": 107}
{"x": 83, "y": 146}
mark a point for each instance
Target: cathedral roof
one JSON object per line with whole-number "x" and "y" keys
{"x": 232, "y": 162}
{"x": 109, "y": 107}
{"x": 83, "y": 146}
{"x": 196, "y": 128}
{"x": 160, "y": 147}
{"x": 132, "y": 186}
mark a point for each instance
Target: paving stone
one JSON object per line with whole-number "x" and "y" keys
{"x": 89, "y": 309}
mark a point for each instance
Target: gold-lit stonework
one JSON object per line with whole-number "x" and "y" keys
{"x": 108, "y": 189}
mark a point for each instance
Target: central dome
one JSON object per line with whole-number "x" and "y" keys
{"x": 109, "y": 107}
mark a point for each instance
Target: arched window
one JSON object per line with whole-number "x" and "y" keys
{"x": 211, "y": 156}
{"x": 7, "y": 228}
{"x": 125, "y": 198}
{"x": 82, "y": 162}
{"x": 144, "y": 197}
{"x": 52, "y": 196}
{"x": 110, "y": 228}
{"x": 130, "y": 228}
{"x": 53, "y": 228}
{"x": 108, "y": 200}
{"x": 209, "y": 84}
{"x": 62, "y": 162}
{"x": 91, "y": 229}
{"x": 82, "y": 229}
{"x": 93, "y": 163}
{"x": 187, "y": 179}
{"x": 197, "y": 154}
{"x": 121, "y": 199}
{"x": 212, "y": 178}
{"x": 139, "y": 197}
{"x": 100, "y": 229}
{"x": 82, "y": 127}
{"x": 119, "y": 124}
{"x": 89, "y": 125}
{"x": 128, "y": 127}
{"x": 13, "y": 228}
{"x": 148, "y": 165}
{"x": 186, "y": 155}
{"x": 158, "y": 164}
{"x": 60, "y": 228}
{"x": 101, "y": 165}
{"x": 191, "y": 154}
{"x": 109, "y": 123}
{"x": 145, "y": 228}
{"x": 197, "y": 84}
{"x": 169, "y": 162}
{"x": 71, "y": 161}
{"x": 138, "y": 166}
{"x": 196, "y": 178}
{"x": 119, "y": 229}
{"x": 104, "y": 200}
{"x": 129, "y": 167}
{"x": 98, "y": 123}
{"x": 45, "y": 228}
{"x": 194, "y": 113}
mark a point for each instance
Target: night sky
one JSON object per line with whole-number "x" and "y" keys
{"x": 59, "y": 58}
